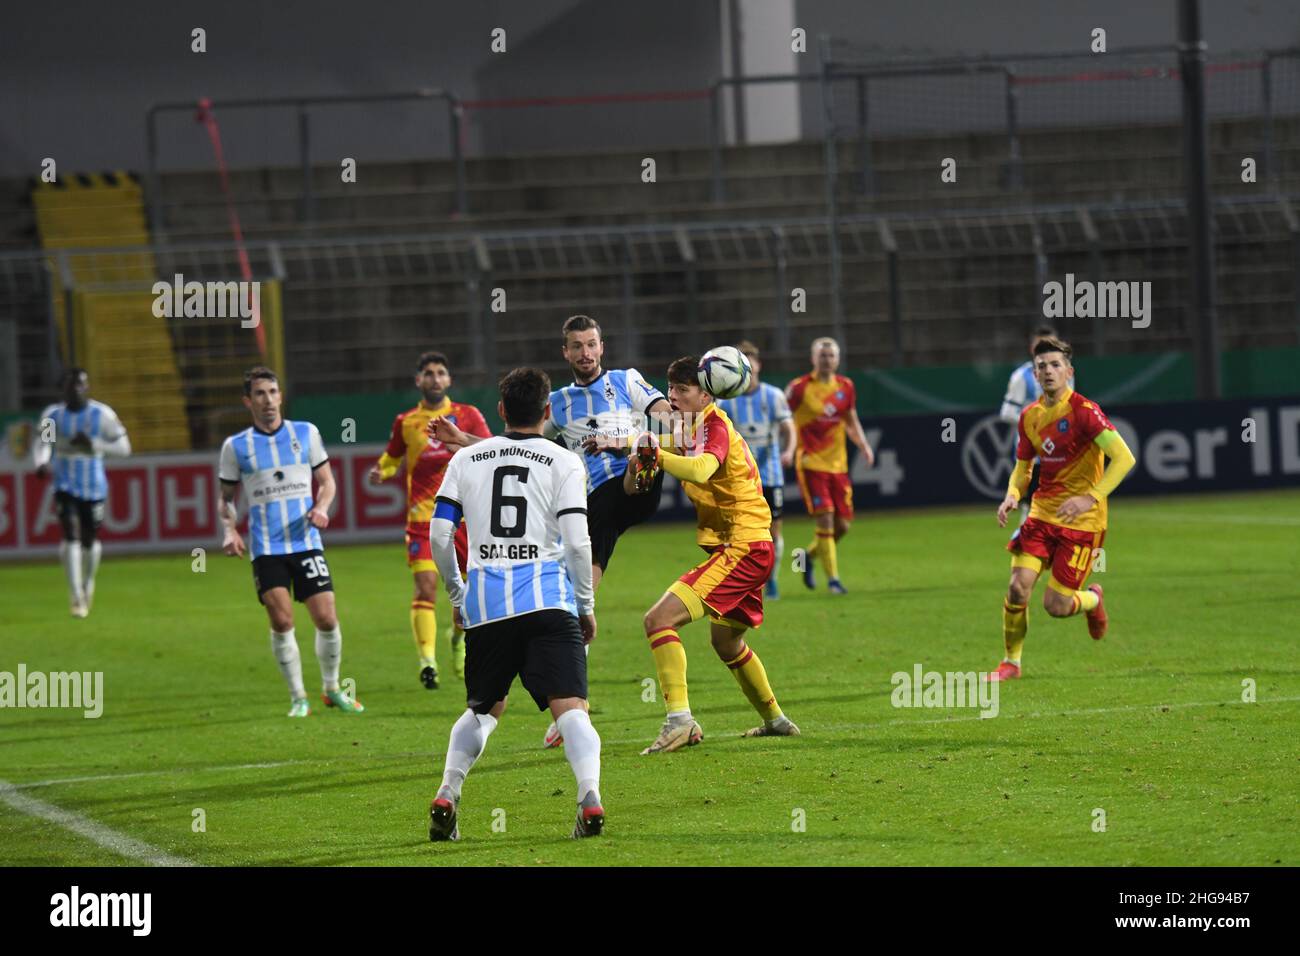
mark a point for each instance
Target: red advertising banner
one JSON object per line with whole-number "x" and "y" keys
{"x": 162, "y": 503}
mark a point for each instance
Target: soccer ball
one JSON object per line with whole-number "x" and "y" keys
{"x": 724, "y": 372}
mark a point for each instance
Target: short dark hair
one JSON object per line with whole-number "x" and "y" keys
{"x": 1050, "y": 343}
{"x": 748, "y": 348}
{"x": 428, "y": 357}
{"x": 256, "y": 372}
{"x": 524, "y": 394}
{"x": 685, "y": 371}
{"x": 579, "y": 323}
{"x": 71, "y": 374}
{"x": 1044, "y": 332}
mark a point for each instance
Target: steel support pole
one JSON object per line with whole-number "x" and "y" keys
{"x": 1204, "y": 314}
{"x": 456, "y": 115}
{"x": 304, "y": 154}
{"x": 832, "y": 205}
{"x": 1015, "y": 163}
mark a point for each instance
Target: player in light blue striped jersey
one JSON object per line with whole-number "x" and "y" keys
{"x": 275, "y": 460}
{"x": 74, "y": 436}
{"x": 763, "y": 416}
{"x": 528, "y": 602}
{"x": 597, "y": 414}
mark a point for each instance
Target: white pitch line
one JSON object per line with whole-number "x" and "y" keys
{"x": 106, "y": 837}
{"x": 157, "y": 773}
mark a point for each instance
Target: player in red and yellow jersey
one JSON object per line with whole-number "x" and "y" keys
{"x": 825, "y": 414}
{"x": 721, "y": 479}
{"x": 1067, "y": 517}
{"x": 426, "y": 459}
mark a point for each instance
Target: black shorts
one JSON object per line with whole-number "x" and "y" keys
{"x": 303, "y": 573}
{"x": 775, "y": 498}
{"x": 544, "y": 648}
{"x": 611, "y": 511}
{"x": 80, "y": 519}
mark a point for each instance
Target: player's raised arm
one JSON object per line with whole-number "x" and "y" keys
{"x": 700, "y": 468}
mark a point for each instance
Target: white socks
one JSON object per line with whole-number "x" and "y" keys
{"x": 89, "y": 565}
{"x": 468, "y": 738}
{"x": 70, "y": 555}
{"x": 582, "y": 747}
{"x": 779, "y": 547}
{"x": 329, "y": 650}
{"x": 285, "y": 648}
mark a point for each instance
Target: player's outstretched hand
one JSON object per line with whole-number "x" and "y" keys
{"x": 787, "y": 458}
{"x": 318, "y": 518}
{"x": 374, "y": 475}
{"x": 870, "y": 455}
{"x": 440, "y": 429}
{"x": 457, "y": 621}
{"x": 1072, "y": 508}
{"x": 233, "y": 545}
{"x": 587, "y": 624}
{"x": 604, "y": 445}
{"x": 1009, "y": 503}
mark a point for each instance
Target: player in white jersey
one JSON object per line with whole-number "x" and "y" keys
{"x": 77, "y": 433}
{"x": 275, "y": 460}
{"x": 528, "y": 601}
{"x": 597, "y": 414}
{"x": 764, "y": 419}
{"x": 1022, "y": 391}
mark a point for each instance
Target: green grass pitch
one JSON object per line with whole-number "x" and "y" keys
{"x": 1148, "y": 725}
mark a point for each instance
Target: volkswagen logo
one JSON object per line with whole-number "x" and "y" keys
{"x": 988, "y": 456}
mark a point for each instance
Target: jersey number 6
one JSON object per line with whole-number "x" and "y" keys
{"x": 500, "y": 500}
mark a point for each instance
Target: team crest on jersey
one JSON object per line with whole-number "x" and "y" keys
{"x": 293, "y": 444}
{"x": 1049, "y": 446}
{"x": 829, "y": 410}
{"x": 839, "y": 396}
{"x": 1063, "y": 426}
{"x": 609, "y": 391}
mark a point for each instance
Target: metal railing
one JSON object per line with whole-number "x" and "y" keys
{"x": 157, "y": 200}
{"x": 355, "y": 308}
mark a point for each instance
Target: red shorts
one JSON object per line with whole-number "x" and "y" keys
{"x": 729, "y": 583}
{"x": 825, "y": 491}
{"x": 1067, "y": 552}
{"x": 419, "y": 555}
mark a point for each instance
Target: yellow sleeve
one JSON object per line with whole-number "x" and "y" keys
{"x": 1120, "y": 464}
{"x": 698, "y": 469}
{"x": 388, "y": 465}
{"x": 1019, "y": 482}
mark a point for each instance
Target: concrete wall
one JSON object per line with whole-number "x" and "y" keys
{"x": 923, "y": 29}
{"x": 76, "y": 77}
